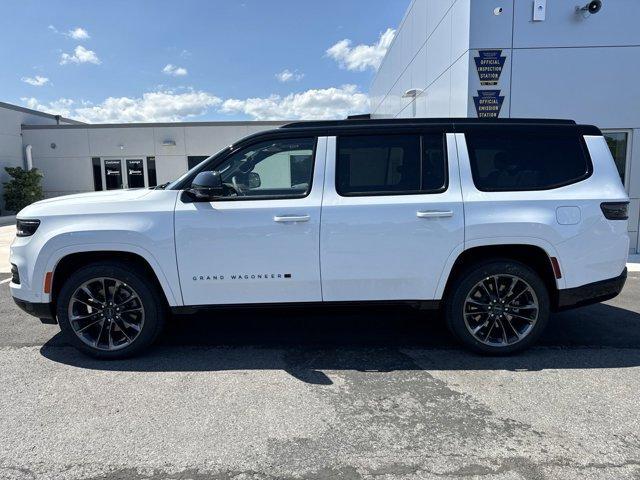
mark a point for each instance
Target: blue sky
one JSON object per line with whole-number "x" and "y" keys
{"x": 109, "y": 61}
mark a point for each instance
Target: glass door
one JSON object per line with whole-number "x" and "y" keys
{"x": 112, "y": 169}
{"x": 135, "y": 172}
{"x": 123, "y": 173}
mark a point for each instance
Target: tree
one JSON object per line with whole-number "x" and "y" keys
{"x": 23, "y": 189}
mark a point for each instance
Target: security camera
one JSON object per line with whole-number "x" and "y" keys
{"x": 590, "y": 8}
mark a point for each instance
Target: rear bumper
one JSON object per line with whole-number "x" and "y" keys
{"x": 591, "y": 292}
{"x": 43, "y": 311}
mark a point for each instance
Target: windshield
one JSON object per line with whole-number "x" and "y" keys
{"x": 173, "y": 185}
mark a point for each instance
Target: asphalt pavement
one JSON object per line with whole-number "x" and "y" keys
{"x": 325, "y": 393}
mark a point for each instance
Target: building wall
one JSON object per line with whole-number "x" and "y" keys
{"x": 11, "y": 152}
{"x": 64, "y": 154}
{"x": 566, "y": 66}
{"x": 429, "y": 52}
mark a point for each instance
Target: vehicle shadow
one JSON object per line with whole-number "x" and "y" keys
{"x": 307, "y": 342}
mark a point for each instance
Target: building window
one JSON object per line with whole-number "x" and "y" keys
{"x": 194, "y": 161}
{"x": 618, "y": 144}
{"x": 151, "y": 171}
{"x": 97, "y": 174}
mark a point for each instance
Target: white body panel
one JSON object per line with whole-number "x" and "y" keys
{"x": 134, "y": 221}
{"x": 388, "y": 247}
{"x": 241, "y": 251}
{"x": 397, "y": 247}
{"x": 588, "y": 249}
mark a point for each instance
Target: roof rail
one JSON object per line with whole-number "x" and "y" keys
{"x": 423, "y": 121}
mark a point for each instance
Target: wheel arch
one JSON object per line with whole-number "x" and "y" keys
{"x": 533, "y": 255}
{"x": 64, "y": 263}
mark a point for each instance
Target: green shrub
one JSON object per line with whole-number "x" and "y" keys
{"x": 23, "y": 189}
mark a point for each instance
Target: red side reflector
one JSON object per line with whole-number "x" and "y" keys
{"x": 47, "y": 282}
{"x": 556, "y": 267}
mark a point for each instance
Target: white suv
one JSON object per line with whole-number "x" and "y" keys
{"x": 497, "y": 223}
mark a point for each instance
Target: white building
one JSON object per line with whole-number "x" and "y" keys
{"x": 76, "y": 157}
{"x": 521, "y": 58}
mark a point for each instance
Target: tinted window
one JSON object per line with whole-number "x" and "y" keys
{"x": 434, "y": 174}
{"x": 151, "y": 171}
{"x": 390, "y": 164}
{"x": 97, "y": 173}
{"x": 508, "y": 160}
{"x": 270, "y": 169}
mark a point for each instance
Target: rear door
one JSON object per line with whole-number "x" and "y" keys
{"x": 391, "y": 215}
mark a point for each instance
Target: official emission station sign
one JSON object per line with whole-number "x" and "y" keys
{"x": 489, "y": 65}
{"x": 488, "y": 103}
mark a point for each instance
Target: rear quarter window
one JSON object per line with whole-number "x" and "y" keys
{"x": 507, "y": 160}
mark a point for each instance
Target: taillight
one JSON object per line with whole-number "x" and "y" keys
{"x": 615, "y": 210}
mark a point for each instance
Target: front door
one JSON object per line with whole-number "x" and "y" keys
{"x": 392, "y": 217}
{"x": 123, "y": 173}
{"x": 258, "y": 243}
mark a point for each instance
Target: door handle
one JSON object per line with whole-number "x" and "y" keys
{"x": 291, "y": 218}
{"x": 434, "y": 213}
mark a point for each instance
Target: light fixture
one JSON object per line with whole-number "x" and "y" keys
{"x": 121, "y": 147}
{"x": 169, "y": 143}
{"x": 412, "y": 93}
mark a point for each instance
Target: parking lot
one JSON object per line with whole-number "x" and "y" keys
{"x": 331, "y": 393}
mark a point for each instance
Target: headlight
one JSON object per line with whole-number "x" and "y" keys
{"x": 26, "y": 228}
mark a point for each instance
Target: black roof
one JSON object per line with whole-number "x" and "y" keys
{"x": 398, "y": 125}
{"x": 462, "y": 125}
{"x": 363, "y": 122}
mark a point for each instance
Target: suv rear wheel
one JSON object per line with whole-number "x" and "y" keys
{"x": 498, "y": 307}
{"x": 110, "y": 310}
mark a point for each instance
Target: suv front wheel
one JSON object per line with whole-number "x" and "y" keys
{"x": 498, "y": 307}
{"x": 110, "y": 310}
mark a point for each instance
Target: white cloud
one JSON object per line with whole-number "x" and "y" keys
{"x": 287, "y": 76}
{"x": 80, "y": 55}
{"x": 326, "y": 103}
{"x": 36, "y": 81}
{"x": 62, "y": 106}
{"x": 78, "y": 33}
{"x": 361, "y": 57}
{"x": 166, "y": 105}
{"x": 158, "y": 106}
{"x": 174, "y": 71}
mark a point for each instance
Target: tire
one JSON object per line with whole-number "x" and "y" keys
{"x": 123, "y": 329}
{"x": 515, "y": 320}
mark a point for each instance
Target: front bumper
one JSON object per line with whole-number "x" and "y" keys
{"x": 591, "y": 292}
{"x": 44, "y": 311}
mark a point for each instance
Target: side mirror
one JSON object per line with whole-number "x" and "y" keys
{"x": 254, "y": 180}
{"x": 206, "y": 186}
